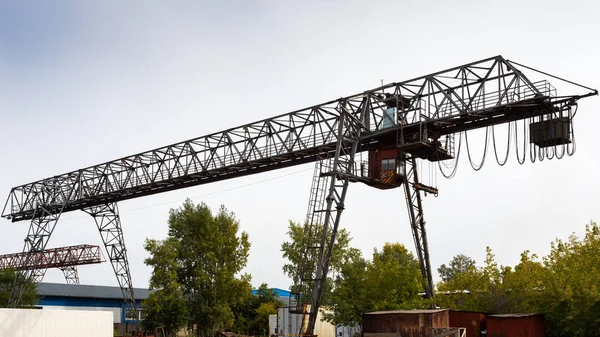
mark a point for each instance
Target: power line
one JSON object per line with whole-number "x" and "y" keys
{"x": 203, "y": 195}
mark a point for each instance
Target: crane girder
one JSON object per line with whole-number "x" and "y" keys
{"x": 400, "y": 115}
{"x": 470, "y": 96}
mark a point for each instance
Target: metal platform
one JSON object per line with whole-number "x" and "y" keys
{"x": 426, "y": 150}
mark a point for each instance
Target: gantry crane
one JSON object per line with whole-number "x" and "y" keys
{"x": 64, "y": 258}
{"x": 397, "y": 124}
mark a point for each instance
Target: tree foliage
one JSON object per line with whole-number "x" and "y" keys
{"x": 195, "y": 268}
{"x": 252, "y": 315}
{"x": 459, "y": 263}
{"x": 166, "y": 305}
{"x": 564, "y": 286}
{"x": 293, "y": 251}
{"x": 391, "y": 280}
{"x": 8, "y": 278}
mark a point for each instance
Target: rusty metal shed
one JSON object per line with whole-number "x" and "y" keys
{"x": 405, "y": 323}
{"x": 523, "y": 325}
{"x": 472, "y": 321}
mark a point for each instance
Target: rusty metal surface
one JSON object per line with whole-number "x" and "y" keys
{"x": 522, "y": 325}
{"x": 472, "y": 321}
{"x": 409, "y": 323}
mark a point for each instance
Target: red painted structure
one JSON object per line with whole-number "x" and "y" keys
{"x": 518, "y": 325}
{"x": 53, "y": 258}
{"x": 473, "y": 322}
{"x": 385, "y": 168}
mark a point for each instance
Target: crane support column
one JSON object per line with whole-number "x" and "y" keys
{"x": 42, "y": 225}
{"x": 341, "y": 169}
{"x": 109, "y": 224}
{"x": 417, "y": 222}
{"x": 71, "y": 274}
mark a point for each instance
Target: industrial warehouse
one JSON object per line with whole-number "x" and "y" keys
{"x": 284, "y": 170}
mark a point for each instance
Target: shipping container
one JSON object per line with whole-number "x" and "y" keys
{"x": 406, "y": 323}
{"x": 53, "y": 323}
{"x": 473, "y": 322}
{"x": 521, "y": 325}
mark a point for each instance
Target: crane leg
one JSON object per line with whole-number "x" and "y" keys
{"x": 417, "y": 222}
{"x": 109, "y": 225}
{"x": 41, "y": 228}
{"x": 71, "y": 274}
{"x": 338, "y": 171}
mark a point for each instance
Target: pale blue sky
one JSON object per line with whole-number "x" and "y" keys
{"x": 82, "y": 83}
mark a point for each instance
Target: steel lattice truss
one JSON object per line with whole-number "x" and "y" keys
{"x": 471, "y": 96}
{"x": 482, "y": 93}
{"x": 53, "y": 258}
{"x": 71, "y": 274}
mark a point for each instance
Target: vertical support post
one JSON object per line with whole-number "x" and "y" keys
{"x": 41, "y": 228}
{"x": 417, "y": 222}
{"x": 109, "y": 225}
{"x": 349, "y": 132}
{"x": 71, "y": 274}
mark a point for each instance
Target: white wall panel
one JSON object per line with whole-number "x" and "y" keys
{"x": 54, "y": 323}
{"x": 116, "y": 311}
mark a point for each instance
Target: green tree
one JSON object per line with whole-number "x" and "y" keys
{"x": 207, "y": 252}
{"x": 392, "y": 280}
{"x": 252, "y": 315}
{"x": 397, "y": 271}
{"x": 565, "y": 286}
{"x": 350, "y": 295}
{"x": 8, "y": 278}
{"x": 294, "y": 248}
{"x": 571, "y": 286}
{"x": 476, "y": 289}
{"x": 458, "y": 264}
{"x": 166, "y": 305}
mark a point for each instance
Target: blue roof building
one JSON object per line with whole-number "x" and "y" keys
{"x": 282, "y": 294}
{"x": 89, "y": 297}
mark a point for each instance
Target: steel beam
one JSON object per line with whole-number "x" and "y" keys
{"x": 460, "y": 98}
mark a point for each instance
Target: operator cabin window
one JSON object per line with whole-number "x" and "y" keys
{"x": 388, "y": 165}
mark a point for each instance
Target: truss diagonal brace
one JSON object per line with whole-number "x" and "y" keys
{"x": 109, "y": 224}
{"x": 71, "y": 274}
{"x": 417, "y": 223}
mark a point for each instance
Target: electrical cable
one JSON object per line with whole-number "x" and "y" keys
{"x": 572, "y": 129}
{"x": 521, "y": 162}
{"x": 455, "y": 166}
{"x": 202, "y": 195}
{"x": 478, "y": 167}
{"x": 507, "y": 146}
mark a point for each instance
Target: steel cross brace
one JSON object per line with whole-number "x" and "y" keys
{"x": 417, "y": 222}
{"x": 109, "y": 224}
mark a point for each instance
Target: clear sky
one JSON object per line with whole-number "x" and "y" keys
{"x": 85, "y": 82}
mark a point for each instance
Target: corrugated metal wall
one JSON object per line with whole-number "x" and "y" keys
{"x": 52, "y": 323}
{"x": 524, "y": 325}
{"x": 289, "y": 324}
